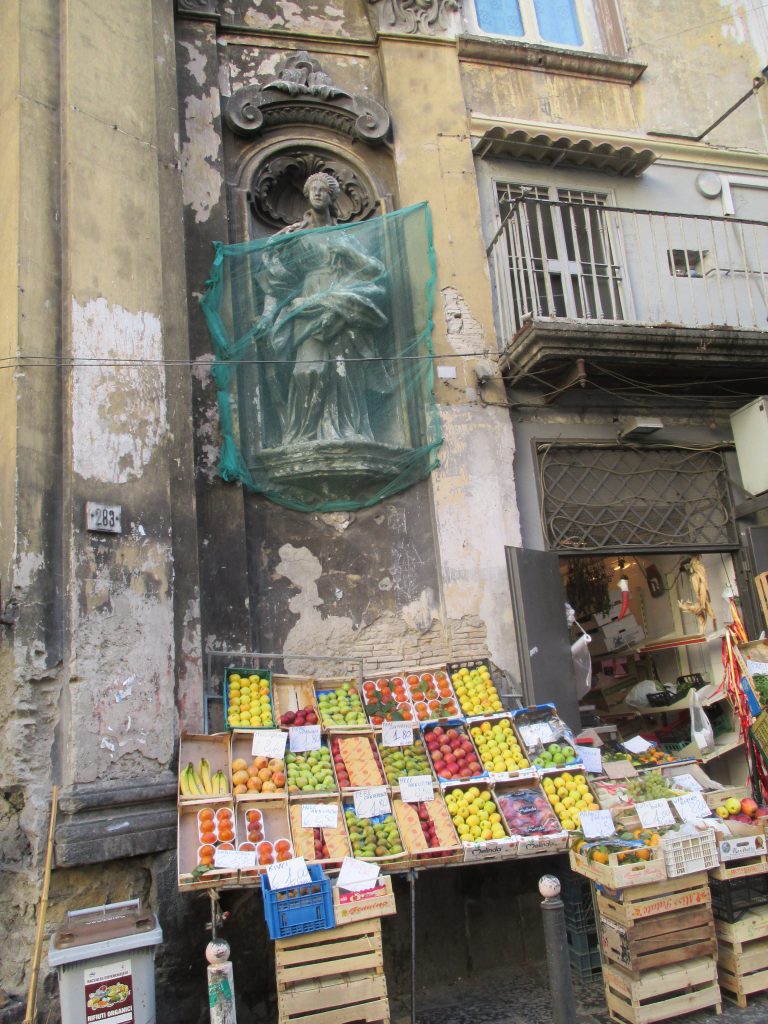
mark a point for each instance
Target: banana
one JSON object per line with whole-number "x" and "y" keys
{"x": 193, "y": 781}
{"x": 204, "y": 770}
{"x": 184, "y": 782}
{"x": 219, "y": 783}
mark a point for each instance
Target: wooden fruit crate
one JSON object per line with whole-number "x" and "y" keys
{"x": 332, "y": 977}
{"x": 661, "y": 994}
{"x": 652, "y": 942}
{"x": 644, "y": 901}
{"x": 742, "y": 957}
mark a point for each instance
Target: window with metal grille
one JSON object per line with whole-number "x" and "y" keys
{"x": 561, "y": 253}
{"x": 605, "y": 497}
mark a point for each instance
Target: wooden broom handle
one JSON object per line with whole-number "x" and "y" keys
{"x": 31, "y": 1012}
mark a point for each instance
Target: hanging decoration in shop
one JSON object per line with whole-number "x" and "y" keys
{"x": 324, "y": 364}
{"x": 586, "y": 587}
{"x": 701, "y": 607}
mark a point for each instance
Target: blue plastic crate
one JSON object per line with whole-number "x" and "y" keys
{"x": 300, "y": 909}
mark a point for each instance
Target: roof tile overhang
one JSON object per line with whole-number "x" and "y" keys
{"x": 565, "y": 150}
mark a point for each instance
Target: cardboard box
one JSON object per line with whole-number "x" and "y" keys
{"x": 359, "y": 906}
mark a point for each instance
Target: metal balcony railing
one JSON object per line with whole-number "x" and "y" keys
{"x": 593, "y": 262}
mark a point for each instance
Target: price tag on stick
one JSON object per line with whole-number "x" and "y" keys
{"x": 269, "y": 743}
{"x": 597, "y": 824}
{"x": 288, "y": 873}
{"x": 357, "y": 874}
{"x": 396, "y": 734}
{"x": 691, "y": 807}
{"x": 304, "y": 737}
{"x": 320, "y": 815}
{"x": 685, "y": 781}
{"x": 655, "y": 813}
{"x": 417, "y": 789}
{"x": 370, "y": 803}
{"x": 592, "y": 759}
{"x": 637, "y": 745}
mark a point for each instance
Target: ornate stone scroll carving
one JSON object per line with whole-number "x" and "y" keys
{"x": 414, "y": 16}
{"x": 276, "y": 192}
{"x": 303, "y": 94}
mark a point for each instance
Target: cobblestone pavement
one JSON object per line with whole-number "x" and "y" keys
{"x": 517, "y": 997}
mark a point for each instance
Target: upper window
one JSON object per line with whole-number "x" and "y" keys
{"x": 589, "y": 25}
{"x": 546, "y": 21}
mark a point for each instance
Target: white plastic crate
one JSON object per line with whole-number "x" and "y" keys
{"x": 685, "y": 854}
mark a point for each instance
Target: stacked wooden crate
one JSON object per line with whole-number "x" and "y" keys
{"x": 659, "y": 950}
{"x": 332, "y": 977}
{"x": 740, "y": 905}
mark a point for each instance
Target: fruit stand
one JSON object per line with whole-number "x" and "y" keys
{"x": 428, "y": 769}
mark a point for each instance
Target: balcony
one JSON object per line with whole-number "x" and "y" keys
{"x": 672, "y": 296}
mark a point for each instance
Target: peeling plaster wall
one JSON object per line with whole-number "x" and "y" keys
{"x": 118, "y": 413}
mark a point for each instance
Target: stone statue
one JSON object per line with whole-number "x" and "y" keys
{"x": 323, "y": 313}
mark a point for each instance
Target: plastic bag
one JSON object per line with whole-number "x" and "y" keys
{"x": 582, "y": 664}
{"x": 638, "y": 695}
{"x": 702, "y": 733}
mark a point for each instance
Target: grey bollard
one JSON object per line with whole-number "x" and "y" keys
{"x": 558, "y": 962}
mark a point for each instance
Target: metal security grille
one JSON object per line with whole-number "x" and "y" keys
{"x": 597, "y": 498}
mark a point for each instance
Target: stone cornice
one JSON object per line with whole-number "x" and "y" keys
{"x": 512, "y": 53}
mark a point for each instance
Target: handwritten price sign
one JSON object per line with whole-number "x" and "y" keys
{"x": 304, "y": 737}
{"x": 370, "y": 803}
{"x": 396, "y": 734}
{"x": 597, "y": 824}
{"x": 655, "y": 813}
{"x": 691, "y": 807}
{"x": 236, "y": 860}
{"x": 319, "y": 816}
{"x": 417, "y": 789}
{"x": 268, "y": 743}
{"x": 288, "y": 873}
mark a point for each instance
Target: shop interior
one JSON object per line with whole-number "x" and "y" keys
{"x": 655, "y": 624}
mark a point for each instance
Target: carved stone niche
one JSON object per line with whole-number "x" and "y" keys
{"x": 275, "y": 193}
{"x": 303, "y": 95}
{"x": 416, "y": 16}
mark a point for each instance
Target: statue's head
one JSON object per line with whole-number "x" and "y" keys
{"x": 321, "y": 189}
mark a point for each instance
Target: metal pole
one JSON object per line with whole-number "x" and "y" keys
{"x": 558, "y": 963}
{"x": 412, "y": 877}
{"x": 221, "y": 978}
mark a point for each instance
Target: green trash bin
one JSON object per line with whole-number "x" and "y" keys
{"x": 105, "y": 958}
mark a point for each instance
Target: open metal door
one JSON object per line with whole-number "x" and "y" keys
{"x": 543, "y": 644}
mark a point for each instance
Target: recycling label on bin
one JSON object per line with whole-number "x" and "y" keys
{"x": 109, "y": 993}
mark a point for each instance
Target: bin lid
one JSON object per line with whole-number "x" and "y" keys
{"x": 109, "y": 928}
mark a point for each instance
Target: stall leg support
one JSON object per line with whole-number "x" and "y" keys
{"x": 412, "y": 879}
{"x": 558, "y": 962}
{"x": 221, "y": 977}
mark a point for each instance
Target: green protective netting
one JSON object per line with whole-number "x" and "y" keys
{"x": 324, "y": 364}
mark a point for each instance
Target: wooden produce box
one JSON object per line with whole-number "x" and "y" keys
{"x": 357, "y": 713}
{"x": 661, "y": 994}
{"x": 672, "y": 935}
{"x": 742, "y": 957}
{"x": 191, "y": 841}
{"x": 356, "y": 761}
{"x": 215, "y": 750}
{"x": 335, "y": 839}
{"x": 272, "y": 770}
{"x": 448, "y": 850}
{"x": 616, "y": 875}
{"x": 742, "y": 853}
{"x": 349, "y": 907}
{"x": 674, "y": 895}
{"x": 293, "y": 693}
{"x": 332, "y": 977}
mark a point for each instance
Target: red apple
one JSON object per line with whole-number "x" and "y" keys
{"x": 749, "y": 807}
